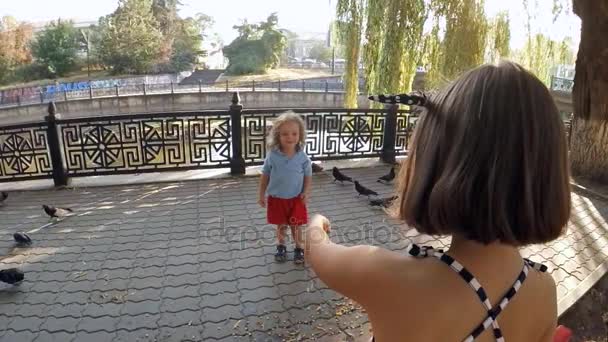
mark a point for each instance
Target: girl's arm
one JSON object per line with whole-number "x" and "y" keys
{"x": 307, "y": 187}
{"x": 361, "y": 273}
{"x": 262, "y": 193}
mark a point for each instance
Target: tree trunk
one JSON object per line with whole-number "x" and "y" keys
{"x": 589, "y": 140}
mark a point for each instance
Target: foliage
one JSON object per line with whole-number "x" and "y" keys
{"x": 463, "y": 46}
{"x": 186, "y": 47}
{"x": 320, "y": 52}
{"x": 14, "y": 46}
{"x": 350, "y": 25}
{"x": 257, "y": 48}
{"x": 499, "y": 38}
{"x": 540, "y": 54}
{"x": 57, "y": 47}
{"x": 130, "y": 39}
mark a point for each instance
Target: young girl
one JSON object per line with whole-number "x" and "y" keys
{"x": 286, "y": 179}
{"x": 488, "y": 166}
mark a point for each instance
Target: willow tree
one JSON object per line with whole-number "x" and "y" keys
{"x": 499, "y": 37}
{"x": 350, "y": 26}
{"x": 464, "y": 45}
{"x": 589, "y": 142}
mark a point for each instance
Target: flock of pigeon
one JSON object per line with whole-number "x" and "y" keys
{"x": 15, "y": 275}
{"x": 362, "y": 190}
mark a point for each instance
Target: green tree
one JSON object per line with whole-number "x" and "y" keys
{"x": 186, "y": 48}
{"x": 350, "y": 15}
{"x": 131, "y": 40}
{"x": 56, "y": 47}
{"x": 257, "y": 48}
{"x": 499, "y": 37}
{"x": 320, "y": 52}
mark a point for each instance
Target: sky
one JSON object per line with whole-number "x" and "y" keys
{"x": 295, "y": 15}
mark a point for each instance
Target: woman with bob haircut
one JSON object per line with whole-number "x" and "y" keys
{"x": 488, "y": 166}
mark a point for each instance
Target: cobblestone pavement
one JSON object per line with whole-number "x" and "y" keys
{"x": 193, "y": 261}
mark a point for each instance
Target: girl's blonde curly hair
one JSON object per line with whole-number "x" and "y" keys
{"x": 274, "y": 138}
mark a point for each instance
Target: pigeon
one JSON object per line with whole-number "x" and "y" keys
{"x": 316, "y": 168}
{"x": 56, "y": 212}
{"x": 339, "y": 176}
{"x": 22, "y": 239}
{"x": 382, "y": 202}
{"x": 11, "y": 276}
{"x": 388, "y": 177}
{"x": 363, "y": 190}
{"x": 3, "y": 196}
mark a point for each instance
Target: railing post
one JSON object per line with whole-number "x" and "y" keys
{"x": 279, "y": 84}
{"x": 18, "y": 100}
{"x": 200, "y": 86}
{"x": 144, "y": 87}
{"x": 237, "y": 163}
{"x": 60, "y": 176}
{"x": 171, "y": 87}
{"x": 116, "y": 86}
{"x": 65, "y": 95}
{"x": 252, "y": 85}
{"x": 41, "y": 96}
{"x": 326, "y": 86}
{"x": 303, "y": 85}
{"x": 390, "y": 135}
{"x": 227, "y": 89}
{"x": 90, "y": 91}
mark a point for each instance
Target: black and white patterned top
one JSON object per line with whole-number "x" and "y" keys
{"x": 490, "y": 321}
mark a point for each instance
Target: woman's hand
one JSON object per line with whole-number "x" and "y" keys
{"x": 262, "y": 201}
{"x": 321, "y": 221}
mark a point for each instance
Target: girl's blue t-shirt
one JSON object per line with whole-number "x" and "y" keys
{"x": 286, "y": 174}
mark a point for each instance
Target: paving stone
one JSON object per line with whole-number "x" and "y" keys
{"x": 61, "y": 336}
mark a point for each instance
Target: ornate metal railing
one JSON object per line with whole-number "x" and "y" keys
{"x": 331, "y": 133}
{"x": 24, "y": 152}
{"x": 561, "y": 84}
{"x": 146, "y": 143}
{"x": 234, "y": 138}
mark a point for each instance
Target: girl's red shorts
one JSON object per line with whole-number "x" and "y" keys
{"x": 290, "y": 211}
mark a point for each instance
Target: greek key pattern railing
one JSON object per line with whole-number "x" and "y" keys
{"x": 331, "y": 133}
{"x": 24, "y": 152}
{"x": 234, "y": 138}
{"x": 146, "y": 143}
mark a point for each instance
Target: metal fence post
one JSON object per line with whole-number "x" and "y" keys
{"x": 227, "y": 86}
{"x": 171, "y": 87}
{"x": 41, "y": 96}
{"x": 90, "y": 91}
{"x": 116, "y": 86}
{"x": 18, "y": 100}
{"x": 252, "y": 85}
{"x": 65, "y": 95}
{"x": 279, "y": 84}
{"x": 60, "y": 176}
{"x": 200, "y": 86}
{"x": 326, "y": 86}
{"x": 390, "y": 135}
{"x": 144, "y": 87}
{"x": 237, "y": 163}
{"x": 303, "y": 85}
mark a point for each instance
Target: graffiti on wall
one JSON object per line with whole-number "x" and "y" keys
{"x": 46, "y": 92}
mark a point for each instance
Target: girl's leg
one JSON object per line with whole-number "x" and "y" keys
{"x": 296, "y": 234}
{"x": 281, "y": 234}
{"x": 281, "y": 254}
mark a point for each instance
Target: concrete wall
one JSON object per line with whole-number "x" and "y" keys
{"x": 177, "y": 102}
{"x": 196, "y": 101}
